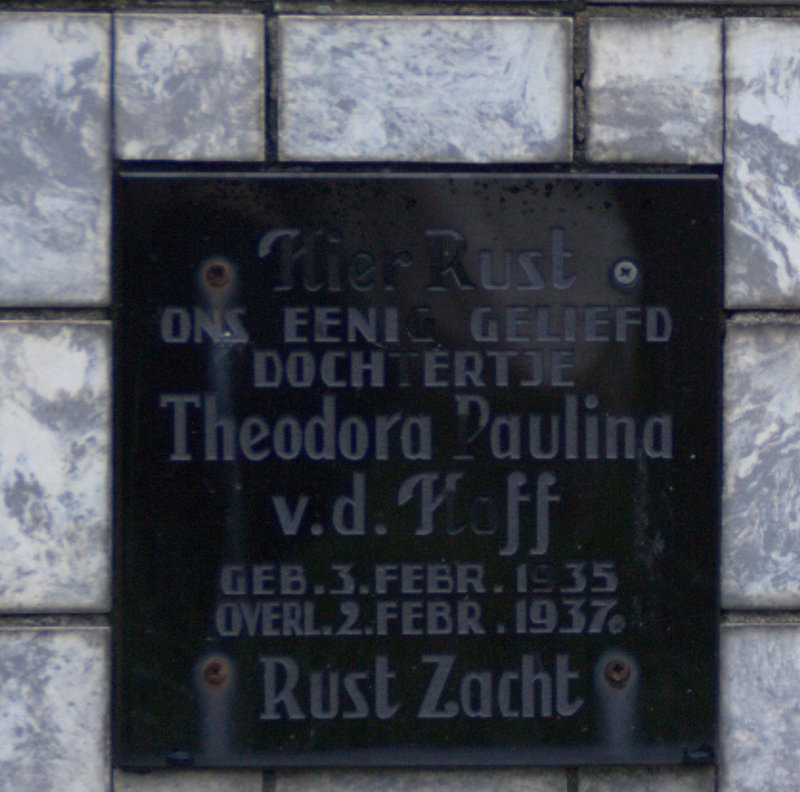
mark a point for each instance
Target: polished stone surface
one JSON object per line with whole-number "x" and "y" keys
{"x": 654, "y": 91}
{"x": 54, "y": 466}
{"x": 190, "y": 86}
{"x": 54, "y": 689}
{"x": 646, "y": 779}
{"x": 473, "y": 780}
{"x": 709, "y": 2}
{"x": 54, "y": 159}
{"x": 759, "y": 712}
{"x": 190, "y": 781}
{"x": 435, "y": 89}
{"x": 762, "y": 167}
{"x": 761, "y": 500}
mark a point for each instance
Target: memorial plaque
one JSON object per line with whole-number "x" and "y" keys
{"x": 416, "y": 469}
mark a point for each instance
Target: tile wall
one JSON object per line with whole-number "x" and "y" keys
{"x": 521, "y": 83}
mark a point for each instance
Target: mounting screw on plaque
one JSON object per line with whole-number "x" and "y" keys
{"x": 215, "y": 672}
{"x": 217, "y": 279}
{"x": 617, "y": 672}
{"x": 625, "y": 275}
{"x": 217, "y": 273}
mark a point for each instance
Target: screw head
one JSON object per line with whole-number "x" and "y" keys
{"x": 617, "y": 673}
{"x": 625, "y": 274}
{"x": 215, "y": 672}
{"x": 217, "y": 273}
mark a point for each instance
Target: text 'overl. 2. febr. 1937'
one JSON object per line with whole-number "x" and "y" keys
{"x": 416, "y": 470}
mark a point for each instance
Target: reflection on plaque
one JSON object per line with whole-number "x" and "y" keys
{"x": 416, "y": 470}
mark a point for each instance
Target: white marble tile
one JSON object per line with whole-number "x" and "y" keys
{"x": 54, "y": 466}
{"x": 190, "y": 86}
{"x": 762, "y": 163}
{"x": 474, "y": 780}
{"x": 761, "y": 497}
{"x": 189, "y": 781}
{"x": 646, "y": 779}
{"x": 760, "y": 708}
{"x": 54, "y": 689}
{"x": 54, "y": 159}
{"x": 433, "y": 88}
{"x": 654, "y": 91}
{"x": 707, "y": 2}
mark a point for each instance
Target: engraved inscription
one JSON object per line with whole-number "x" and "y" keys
{"x": 417, "y": 469}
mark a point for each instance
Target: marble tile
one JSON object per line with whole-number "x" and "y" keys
{"x": 54, "y": 159}
{"x": 189, "y": 781}
{"x": 762, "y": 165}
{"x": 759, "y": 710}
{"x": 654, "y": 90}
{"x": 54, "y": 689}
{"x": 54, "y": 466}
{"x": 528, "y": 780}
{"x": 434, "y": 88}
{"x": 190, "y": 86}
{"x": 646, "y": 779}
{"x": 708, "y": 2}
{"x": 761, "y": 496}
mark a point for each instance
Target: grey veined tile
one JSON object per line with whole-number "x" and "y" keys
{"x": 433, "y": 88}
{"x": 762, "y": 166}
{"x": 54, "y": 466}
{"x": 759, "y": 712}
{"x": 473, "y": 780}
{"x": 190, "y": 86}
{"x": 646, "y": 779}
{"x": 654, "y": 92}
{"x": 190, "y": 781}
{"x": 761, "y": 497}
{"x": 54, "y": 159}
{"x": 54, "y": 685}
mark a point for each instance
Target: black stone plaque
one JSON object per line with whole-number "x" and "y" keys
{"x": 416, "y": 470}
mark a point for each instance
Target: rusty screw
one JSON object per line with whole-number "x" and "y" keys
{"x": 617, "y": 673}
{"x": 215, "y": 673}
{"x": 218, "y": 274}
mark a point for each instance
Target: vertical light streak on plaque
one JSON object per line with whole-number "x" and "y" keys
{"x": 217, "y": 282}
{"x": 214, "y": 675}
{"x": 616, "y": 683}
{"x": 215, "y": 682}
